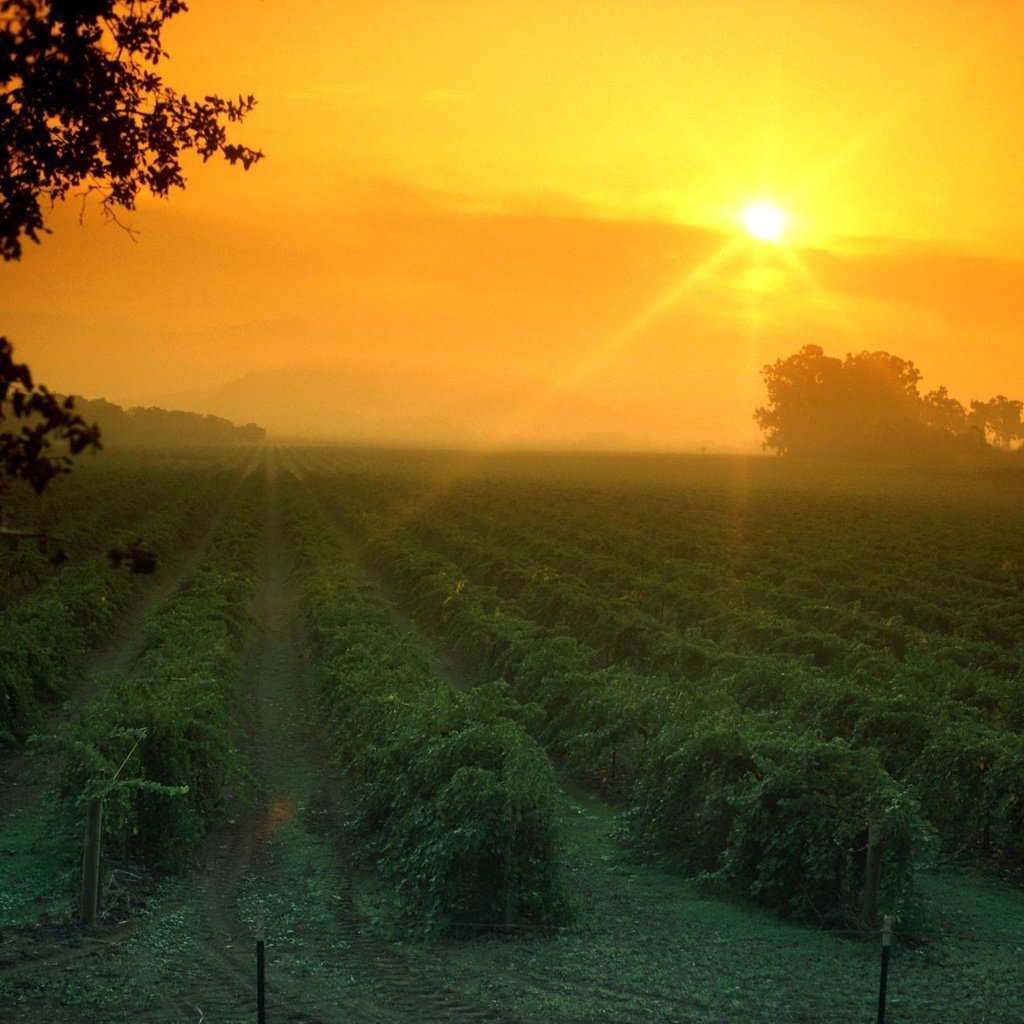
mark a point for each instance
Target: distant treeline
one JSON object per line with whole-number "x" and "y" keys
{"x": 154, "y": 426}
{"x": 868, "y": 406}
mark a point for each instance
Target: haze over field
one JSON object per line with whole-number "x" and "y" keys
{"x": 523, "y": 223}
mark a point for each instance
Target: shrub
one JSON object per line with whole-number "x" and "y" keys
{"x": 781, "y": 817}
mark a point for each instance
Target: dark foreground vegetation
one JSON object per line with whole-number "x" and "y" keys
{"x": 592, "y": 707}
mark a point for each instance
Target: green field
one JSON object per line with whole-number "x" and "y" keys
{"x": 517, "y": 737}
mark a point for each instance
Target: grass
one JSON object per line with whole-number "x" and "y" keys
{"x": 651, "y": 946}
{"x": 302, "y": 897}
{"x": 37, "y": 868}
{"x": 39, "y": 853}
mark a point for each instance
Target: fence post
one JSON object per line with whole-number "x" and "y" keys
{"x": 92, "y": 846}
{"x": 883, "y": 982}
{"x": 872, "y": 878}
{"x": 261, "y": 1006}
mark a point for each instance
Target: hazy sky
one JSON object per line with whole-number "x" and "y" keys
{"x": 518, "y": 222}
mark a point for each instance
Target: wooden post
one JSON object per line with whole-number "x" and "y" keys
{"x": 872, "y": 879}
{"x": 91, "y": 854}
{"x": 261, "y": 1005}
{"x": 883, "y": 981}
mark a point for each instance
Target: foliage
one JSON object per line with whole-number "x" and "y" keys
{"x": 971, "y": 780}
{"x": 784, "y": 818}
{"x": 844, "y": 653}
{"x": 83, "y": 106}
{"x": 160, "y": 796}
{"x": 453, "y": 799}
{"x": 462, "y": 817}
{"x": 50, "y": 614}
{"x": 42, "y": 634}
{"x": 100, "y": 762}
{"x": 999, "y": 419}
{"x": 28, "y": 453}
{"x": 944, "y": 413}
{"x": 792, "y": 610}
{"x": 868, "y": 404}
{"x": 179, "y": 704}
{"x": 154, "y": 427}
{"x": 780, "y": 816}
{"x": 802, "y": 825}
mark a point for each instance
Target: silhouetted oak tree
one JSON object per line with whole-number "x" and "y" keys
{"x": 84, "y": 111}
{"x": 943, "y": 412}
{"x": 865, "y": 405}
{"x": 802, "y": 415}
{"x": 1000, "y": 420}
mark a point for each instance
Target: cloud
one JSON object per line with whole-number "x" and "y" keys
{"x": 968, "y": 291}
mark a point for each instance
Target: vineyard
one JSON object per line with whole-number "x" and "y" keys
{"x": 514, "y": 738}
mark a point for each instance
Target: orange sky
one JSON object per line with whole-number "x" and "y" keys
{"x": 518, "y": 222}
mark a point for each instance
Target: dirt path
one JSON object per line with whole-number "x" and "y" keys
{"x": 322, "y": 964}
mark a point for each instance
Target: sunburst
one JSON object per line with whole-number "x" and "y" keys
{"x": 764, "y": 221}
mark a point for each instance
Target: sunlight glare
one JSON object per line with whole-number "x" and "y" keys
{"x": 763, "y": 221}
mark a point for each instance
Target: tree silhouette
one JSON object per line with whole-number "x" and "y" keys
{"x": 28, "y": 454}
{"x": 944, "y": 413}
{"x": 879, "y": 388}
{"x": 802, "y": 415}
{"x": 1000, "y": 420}
{"x": 84, "y": 111}
{"x": 869, "y": 405}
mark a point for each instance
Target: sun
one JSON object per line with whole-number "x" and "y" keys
{"x": 764, "y": 221}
